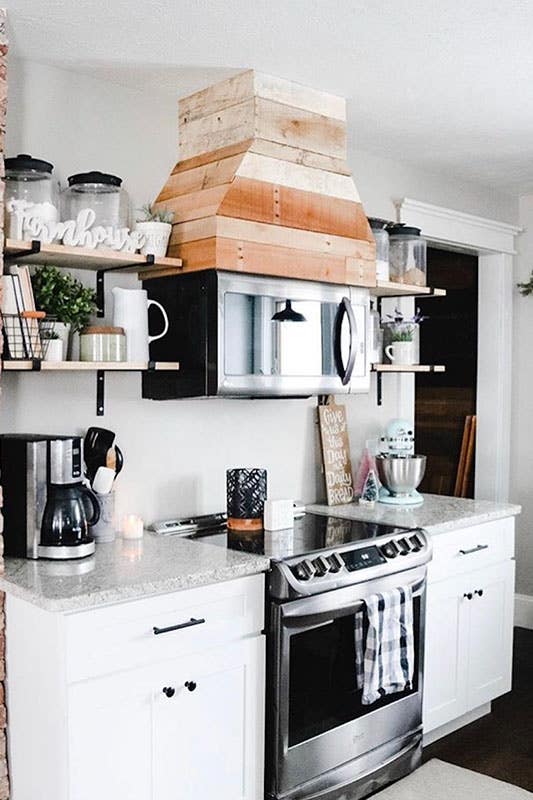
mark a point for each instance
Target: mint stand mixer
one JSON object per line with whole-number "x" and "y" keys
{"x": 400, "y": 470}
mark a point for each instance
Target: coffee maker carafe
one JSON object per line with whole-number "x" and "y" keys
{"x": 48, "y": 511}
{"x": 71, "y": 508}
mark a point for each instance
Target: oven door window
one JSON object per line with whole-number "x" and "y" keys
{"x": 323, "y": 691}
{"x": 255, "y": 344}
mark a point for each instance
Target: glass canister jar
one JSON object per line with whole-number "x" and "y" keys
{"x": 381, "y": 237}
{"x": 29, "y": 180}
{"x": 101, "y": 192}
{"x": 407, "y": 255}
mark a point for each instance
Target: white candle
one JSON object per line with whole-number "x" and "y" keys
{"x": 132, "y": 527}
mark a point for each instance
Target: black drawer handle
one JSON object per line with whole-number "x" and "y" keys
{"x": 169, "y": 691}
{"x": 479, "y": 592}
{"x": 191, "y": 685}
{"x": 475, "y": 549}
{"x": 188, "y": 624}
{"x": 468, "y": 595}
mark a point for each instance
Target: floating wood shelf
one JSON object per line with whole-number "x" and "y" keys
{"x": 407, "y": 368}
{"x": 97, "y": 367}
{"x": 88, "y": 366}
{"x": 60, "y": 255}
{"x": 392, "y": 289}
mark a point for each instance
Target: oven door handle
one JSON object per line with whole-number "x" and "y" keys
{"x": 311, "y": 613}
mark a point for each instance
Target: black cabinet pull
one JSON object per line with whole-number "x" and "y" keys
{"x": 169, "y": 691}
{"x": 475, "y": 549}
{"x": 479, "y": 592}
{"x": 191, "y": 685}
{"x": 468, "y": 595}
{"x": 188, "y": 624}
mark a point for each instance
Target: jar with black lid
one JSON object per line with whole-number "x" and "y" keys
{"x": 407, "y": 255}
{"x": 29, "y": 180}
{"x": 99, "y": 191}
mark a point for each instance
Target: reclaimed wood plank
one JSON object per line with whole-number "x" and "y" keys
{"x": 202, "y": 177}
{"x": 297, "y": 128}
{"x": 297, "y": 176}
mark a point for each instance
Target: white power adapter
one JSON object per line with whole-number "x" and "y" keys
{"x": 278, "y": 514}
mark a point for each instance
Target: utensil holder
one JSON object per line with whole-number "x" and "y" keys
{"x": 246, "y": 492}
{"x": 105, "y": 529}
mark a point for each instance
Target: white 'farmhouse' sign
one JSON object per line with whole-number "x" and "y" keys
{"x": 27, "y": 223}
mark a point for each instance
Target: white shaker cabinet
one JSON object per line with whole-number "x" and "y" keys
{"x": 179, "y": 714}
{"x": 469, "y": 621}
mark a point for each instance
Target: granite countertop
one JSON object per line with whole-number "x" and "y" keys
{"x": 125, "y": 570}
{"x": 437, "y": 514}
{"x": 130, "y": 570}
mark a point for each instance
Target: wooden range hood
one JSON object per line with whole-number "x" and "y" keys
{"x": 263, "y": 187}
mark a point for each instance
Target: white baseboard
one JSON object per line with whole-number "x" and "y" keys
{"x": 523, "y": 611}
{"x": 455, "y": 724}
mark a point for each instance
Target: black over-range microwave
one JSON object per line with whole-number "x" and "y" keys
{"x": 238, "y": 335}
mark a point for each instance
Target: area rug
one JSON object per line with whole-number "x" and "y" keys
{"x": 438, "y": 780}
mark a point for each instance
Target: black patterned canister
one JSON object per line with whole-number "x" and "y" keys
{"x": 246, "y": 492}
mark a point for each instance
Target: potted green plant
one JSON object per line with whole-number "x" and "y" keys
{"x": 64, "y": 298}
{"x": 401, "y": 337}
{"x": 156, "y": 225}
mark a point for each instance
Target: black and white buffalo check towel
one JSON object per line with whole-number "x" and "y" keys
{"x": 385, "y": 661}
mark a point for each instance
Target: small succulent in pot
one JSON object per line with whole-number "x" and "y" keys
{"x": 156, "y": 226}
{"x": 152, "y": 214}
{"x": 398, "y": 328}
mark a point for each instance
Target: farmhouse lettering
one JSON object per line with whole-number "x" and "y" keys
{"x": 336, "y": 454}
{"x": 79, "y": 232}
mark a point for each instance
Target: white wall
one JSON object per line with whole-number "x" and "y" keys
{"x": 176, "y": 452}
{"x": 521, "y": 444}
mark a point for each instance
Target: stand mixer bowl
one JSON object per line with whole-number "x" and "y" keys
{"x": 401, "y": 475}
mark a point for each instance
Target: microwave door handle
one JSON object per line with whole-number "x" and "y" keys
{"x": 345, "y": 372}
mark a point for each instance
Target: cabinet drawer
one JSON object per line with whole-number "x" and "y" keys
{"x": 467, "y": 549}
{"x": 122, "y": 636}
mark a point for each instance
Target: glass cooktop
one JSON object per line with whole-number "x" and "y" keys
{"x": 311, "y": 532}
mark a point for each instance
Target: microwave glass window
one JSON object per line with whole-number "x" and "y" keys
{"x": 255, "y": 344}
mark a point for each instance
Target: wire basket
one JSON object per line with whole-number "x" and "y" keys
{"x": 26, "y": 335}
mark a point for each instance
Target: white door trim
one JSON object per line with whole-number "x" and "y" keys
{"x": 494, "y": 242}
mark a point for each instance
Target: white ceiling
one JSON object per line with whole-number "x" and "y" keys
{"x": 444, "y": 85}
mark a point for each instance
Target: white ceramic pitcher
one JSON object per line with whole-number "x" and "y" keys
{"x": 130, "y": 312}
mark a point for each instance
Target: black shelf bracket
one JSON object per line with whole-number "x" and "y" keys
{"x": 100, "y": 281}
{"x": 379, "y": 388}
{"x": 100, "y": 392}
{"x": 18, "y": 255}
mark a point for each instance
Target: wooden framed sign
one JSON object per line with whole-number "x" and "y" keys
{"x": 336, "y": 453}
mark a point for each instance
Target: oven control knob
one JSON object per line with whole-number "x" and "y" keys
{"x": 335, "y": 562}
{"x": 300, "y": 572}
{"x": 416, "y": 543}
{"x": 309, "y": 568}
{"x": 321, "y": 564}
{"x": 390, "y": 550}
{"x": 404, "y": 546}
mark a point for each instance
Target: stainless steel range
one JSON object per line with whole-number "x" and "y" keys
{"x": 322, "y": 742}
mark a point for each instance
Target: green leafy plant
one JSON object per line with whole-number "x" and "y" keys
{"x": 526, "y": 288}
{"x": 402, "y": 334}
{"x": 61, "y": 295}
{"x": 152, "y": 214}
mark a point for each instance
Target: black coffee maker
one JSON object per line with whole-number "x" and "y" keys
{"x": 47, "y": 510}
